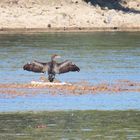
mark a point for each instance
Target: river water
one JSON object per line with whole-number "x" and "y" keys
{"x": 101, "y": 56}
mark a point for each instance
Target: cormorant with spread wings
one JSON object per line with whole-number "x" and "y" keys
{"x": 51, "y": 67}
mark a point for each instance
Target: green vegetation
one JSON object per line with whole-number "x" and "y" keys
{"x": 70, "y": 125}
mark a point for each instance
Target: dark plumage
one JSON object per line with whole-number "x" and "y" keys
{"x": 51, "y": 67}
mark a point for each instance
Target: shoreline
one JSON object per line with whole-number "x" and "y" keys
{"x": 69, "y": 16}
{"x": 68, "y": 29}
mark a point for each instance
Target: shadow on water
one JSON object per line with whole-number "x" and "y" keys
{"x": 74, "y": 125}
{"x": 113, "y": 4}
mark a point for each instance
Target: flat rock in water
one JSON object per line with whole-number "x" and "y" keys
{"x": 48, "y": 83}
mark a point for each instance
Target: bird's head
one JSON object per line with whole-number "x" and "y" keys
{"x": 54, "y": 56}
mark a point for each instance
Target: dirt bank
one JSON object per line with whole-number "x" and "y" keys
{"x": 73, "y": 88}
{"x": 70, "y": 14}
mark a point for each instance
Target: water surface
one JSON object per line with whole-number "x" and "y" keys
{"x": 72, "y": 125}
{"x": 47, "y": 102}
{"x": 101, "y": 56}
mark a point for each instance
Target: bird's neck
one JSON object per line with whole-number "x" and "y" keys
{"x": 52, "y": 65}
{"x": 53, "y": 62}
{"x": 52, "y": 59}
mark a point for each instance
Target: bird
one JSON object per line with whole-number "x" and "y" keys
{"x": 52, "y": 67}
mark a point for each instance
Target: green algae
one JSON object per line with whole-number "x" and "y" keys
{"x": 70, "y": 125}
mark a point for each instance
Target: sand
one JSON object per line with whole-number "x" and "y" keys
{"x": 68, "y": 15}
{"x": 33, "y": 88}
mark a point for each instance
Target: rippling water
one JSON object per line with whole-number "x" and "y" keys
{"x": 72, "y": 125}
{"x": 102, "y": 56}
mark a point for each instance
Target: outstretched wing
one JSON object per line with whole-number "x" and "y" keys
{"x": 67, "y": 66}
{"x": 35, "y": 66}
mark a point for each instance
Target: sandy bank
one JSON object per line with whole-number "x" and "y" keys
{"x": 69, "y": 15}
{"x": 26, "y": 89}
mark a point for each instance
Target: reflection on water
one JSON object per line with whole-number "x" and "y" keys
{"x": 101, "y": 56}
{"x": 72, "y": 125}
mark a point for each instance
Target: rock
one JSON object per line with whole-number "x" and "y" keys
{"x": 49, "y": 25}
{"x": 76, "y": 1}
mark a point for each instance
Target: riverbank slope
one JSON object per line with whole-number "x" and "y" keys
{"x": 70, "y": 14}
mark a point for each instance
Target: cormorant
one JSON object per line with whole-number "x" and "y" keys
{"x": 51, "y": 67}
